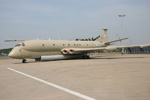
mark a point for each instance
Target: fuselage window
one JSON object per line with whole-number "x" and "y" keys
{"x": 74, "y": 44}
{"x": 63, "y": 44}
{"x": 42, "y": 44}
{"x": 53, "y": 44}
{"x": 87, "y": 44}
{"x": 68, "y": 44}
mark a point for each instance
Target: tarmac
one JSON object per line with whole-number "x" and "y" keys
{"x": 110, "y": 77}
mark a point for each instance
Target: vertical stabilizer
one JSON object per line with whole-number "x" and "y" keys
{"x": 104, "y": 37}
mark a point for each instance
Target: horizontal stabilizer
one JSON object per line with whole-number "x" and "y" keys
{"x": 13, "y": 40}
{"x": 111, "y": 42}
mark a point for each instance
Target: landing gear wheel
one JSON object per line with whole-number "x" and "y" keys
{"x": 24, "y": 61}
{"x": 86, "y": 57}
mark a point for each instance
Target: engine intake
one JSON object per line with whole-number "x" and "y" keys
{"x": 70, "y": 51}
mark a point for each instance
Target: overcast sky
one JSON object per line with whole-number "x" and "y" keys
{"x": 70, "y": 19}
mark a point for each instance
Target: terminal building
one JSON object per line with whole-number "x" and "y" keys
{"x": 137, "y": 50}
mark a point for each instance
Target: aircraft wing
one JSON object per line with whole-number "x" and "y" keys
{"x": 131, "y": 46}
{"x": 81, "y": 50}
{"x": 87, "y": 50}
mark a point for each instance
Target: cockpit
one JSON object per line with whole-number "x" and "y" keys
{"x": 20, "y": 44}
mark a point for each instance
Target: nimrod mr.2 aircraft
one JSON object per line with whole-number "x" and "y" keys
{"x": 41, "y": 50}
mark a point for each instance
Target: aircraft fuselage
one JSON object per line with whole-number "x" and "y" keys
{"x": 38, "y": 48}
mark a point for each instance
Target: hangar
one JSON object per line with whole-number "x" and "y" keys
{"x": 137, "y": 50}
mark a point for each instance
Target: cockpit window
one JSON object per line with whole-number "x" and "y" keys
{"x": 18, "y": 45}
{"x": 22, "y": 44}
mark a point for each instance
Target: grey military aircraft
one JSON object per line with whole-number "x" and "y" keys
{"x": 42, "y": 50}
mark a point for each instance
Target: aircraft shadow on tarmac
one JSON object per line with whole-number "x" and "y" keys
{"x": 91, "y": 58}
{"x": 103, "y": 57}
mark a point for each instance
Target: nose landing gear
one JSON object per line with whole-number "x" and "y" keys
{"x": 24, "y": 60}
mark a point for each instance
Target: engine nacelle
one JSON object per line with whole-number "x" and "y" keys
{"x": 74, "y": 52}
{"x": 70, "y": 51}
{"x": 65, "y": 51}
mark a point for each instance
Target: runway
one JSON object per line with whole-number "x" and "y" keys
{"x": 111, "y": 77}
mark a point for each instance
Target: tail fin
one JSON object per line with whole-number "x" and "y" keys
{"x": 104, "y": 37}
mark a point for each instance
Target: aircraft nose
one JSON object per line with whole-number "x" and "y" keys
{"x": 11, "y": 54}
{"x": 14, "y": 54}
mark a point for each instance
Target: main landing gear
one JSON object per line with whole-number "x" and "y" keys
{"x": 24, "y": 60}
{"x": 86, "y": 57}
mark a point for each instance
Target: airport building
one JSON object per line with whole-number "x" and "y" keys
{"x": 137, "y": 50}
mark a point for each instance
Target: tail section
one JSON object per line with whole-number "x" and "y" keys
{"x": 104, "y": 37}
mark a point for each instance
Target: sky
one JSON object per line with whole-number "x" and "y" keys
{"x": 71, "y": 19}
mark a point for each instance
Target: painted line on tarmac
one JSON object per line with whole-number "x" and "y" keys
{"x": 54, "y": 85}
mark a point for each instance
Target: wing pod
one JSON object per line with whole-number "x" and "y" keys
{"x": 59, "y": 57}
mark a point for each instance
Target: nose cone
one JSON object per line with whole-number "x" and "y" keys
{"x": 15, "y": 53}
{"x": 11, "y": 54}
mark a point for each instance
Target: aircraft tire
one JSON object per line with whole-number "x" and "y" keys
{"x": 24, "y": 61}
{"x": 86, "y": 57}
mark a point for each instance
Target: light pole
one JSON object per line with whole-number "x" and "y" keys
{"x": 121, "y": 16}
